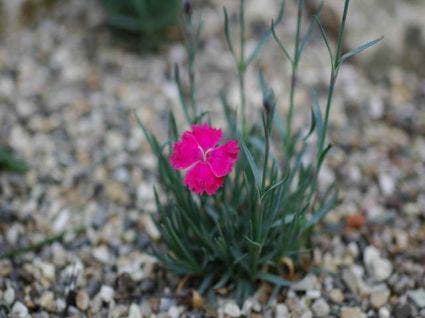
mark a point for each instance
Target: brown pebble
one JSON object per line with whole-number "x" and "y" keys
{"x": 82, "y": 299}
{"x": 355, "y": 221}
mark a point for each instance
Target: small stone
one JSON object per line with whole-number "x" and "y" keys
{"x": 48, "y": 270}
{"x": 106, "y": 293}
{"x": 61, "y": 221}
{"x": 352, "y": 277}
{"x": 379, "y": 296}
{"x": 418, "y": 297}
{"x": 384, "y": 313}
{"x": 60, "y": 304}
{"x": 377, "y": 107}
{"x": 117, "y": 193}
{"x": 282, "y": 311}
{"x": 307, "y": 314}
{"x": 175, "y": 312}
{"x": 307, "y": 283}
{"x": 47, "y": 301}
{"x": 101, "y": 253}
{"x": 321, "y": 308}
{"x": 387, "y": 184}
{"x": 232, "y": 309}
{"x": 145, "y": 309}
{"x": 402, "y": 311}
{"x": 353, "y": 249}
{"x": 336, "y": 296}
{"x": 165, "y": 304}
{"x": 150, "y": 227}
{"x": 313, "y": 294}
{"x": 82, "y": 300}
{"x": 9, "y": 296}
{"x": 378, "y": 268}
{"x": 20, "y": 310}
{"x": 352, "y": 312}
{"x": 134, "y": 311}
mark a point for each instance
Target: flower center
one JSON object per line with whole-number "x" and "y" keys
{"x": 204, "y": 153}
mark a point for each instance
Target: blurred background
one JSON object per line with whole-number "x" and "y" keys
{"x": 76, "y": 175}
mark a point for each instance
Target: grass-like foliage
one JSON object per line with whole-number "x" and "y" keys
{"x": 9, "y": 161}
{"x": 269, "y": 205}
{"x": 147, "y": 19}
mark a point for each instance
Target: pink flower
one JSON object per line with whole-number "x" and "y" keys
{"x": 206, "y": 164}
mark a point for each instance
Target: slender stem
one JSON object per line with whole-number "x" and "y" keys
{"x": 242, "y": 66}
{"x": 334, "y": 73}
{"x": 327, "y": 111}
{"x": 266, "y": 159}
{"x": 341, "y": 30}
{"x": 33, "y": 247}
{"x": 242, "y": 99}
{"x": 191, "y": 51}
{"x": 192, "y": 81}
{"x": 295, "y": 63}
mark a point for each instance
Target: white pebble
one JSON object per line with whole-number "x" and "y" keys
{"x": 232, "y": 309}
{"x": 20, "y": 310}
{"x": 282, "y": 311}
{"x": 9, "y": 296}
{"x": 321, "y": 308}
{"x": 106, "y": 293}
{"x": 378, "y": 268}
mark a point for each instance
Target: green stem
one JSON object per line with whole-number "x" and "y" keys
{"x": 295, "y": 63}
{"x": 242, "y": 66}
{"x": 334, "y": 74}
{"x": 40, "y": 244}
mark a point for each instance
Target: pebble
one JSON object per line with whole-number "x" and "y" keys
{"x": 313, "y": 294}
{"x": 336, "y": 295}
{"x": 150, "y": 227}
{"x": 321, "y": 308}
{"x": 307, "y": 314}
{"x": 384, "y": 313}
{"x": 387, "y": 184}
{"x": 282, "y": 311}
{"x": 106, "y": 293}
{"x": 418, "y": 297}
{"x": 9, "y": 296}
{"x": 20, "y": 310}
{"x": 175, "y": 311}
{"x": 402, "y": 311}
{"x": 134, "y": 311}
{"x": 47, "y": 269}
{"x": 379, "y": 296}
{"x": 47, "y": 300}
{"x": 101, "y": 253}
{"x": 352, "y": 312}
{"x": 62, "y": 221}
{"x": 352, "y": 277}
{"x": 307, "y": 283}
{"x": 166, "y": 303}
{"x": 82, "y": 299}
{"x": 378, "y": 268}
{"x": 232, "y": 309}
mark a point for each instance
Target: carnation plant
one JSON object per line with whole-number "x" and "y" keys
{"x": 234, "y": 202}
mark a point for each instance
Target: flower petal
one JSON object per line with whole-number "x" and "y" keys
{"x": 223, "y": 158}
{"x": 200, "y": 179}
{"x": 185, "y": 152}
{"x": 206, "y": 136}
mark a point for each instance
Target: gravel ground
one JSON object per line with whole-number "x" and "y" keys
{"x": 66, "y": 93}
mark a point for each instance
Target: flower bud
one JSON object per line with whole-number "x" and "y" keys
{"x": 187, "y": 8}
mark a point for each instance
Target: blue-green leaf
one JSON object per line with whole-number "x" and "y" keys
{"x": 274, "y": 279}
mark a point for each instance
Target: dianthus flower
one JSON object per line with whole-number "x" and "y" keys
{"x": 206, "y": 163}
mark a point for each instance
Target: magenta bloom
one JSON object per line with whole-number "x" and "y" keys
{"x": 206, "y": 163}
